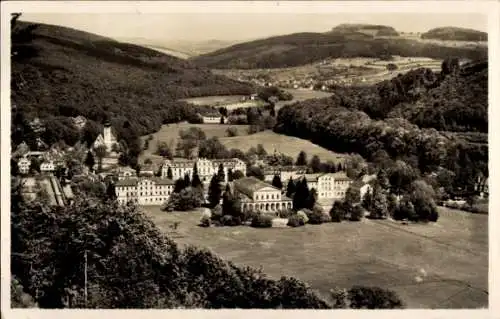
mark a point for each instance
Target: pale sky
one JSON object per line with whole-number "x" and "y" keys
{"x": 243, "y": 26}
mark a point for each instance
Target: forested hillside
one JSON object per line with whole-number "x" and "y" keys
{"x": 372, "y": 29}
{"x": 59, "y": 73}
{"x": 455, "y": 34}
{"x": 407, "y": 118}
{"x": 304, "y": 48}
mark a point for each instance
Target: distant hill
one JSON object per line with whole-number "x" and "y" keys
{"x": 370, "y": 29}
{"x": 304, "y": 48}
{"x": 183, "y": 49}
{"x": 455, "y": 34}
{"x": 77, "y": 73}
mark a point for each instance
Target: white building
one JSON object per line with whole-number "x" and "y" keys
{"x": 24, "y": 165}
{"x": 47, "y": 167}
{"x": 206, "y": 168}
{"x": 329, "y": 185}
{"x": 147, "y": 170}
{"x": 107, "y": 138}
{"x": 211, "y": 117}
{"x": 284, "y": 172}
{"x": 144, "y": 191}
{"x": 257, "y": 195}
{"x": 125, "y": 173}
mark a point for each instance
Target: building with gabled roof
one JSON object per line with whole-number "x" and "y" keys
{"x": 23, "y": 165}
{"x": 106, "y": 138}
{"x": 329, "y": 185}
{"x": 206, "y": 167}
{"x": 144, "y": 190}
{"x": 256, "y": 195}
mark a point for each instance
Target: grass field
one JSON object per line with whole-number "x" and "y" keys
{"x": 282, "y": 143}
{"x": 442, "y": 265}
{"x": 170, "y": 133}
{"x": 288, "y": 145}
{"x": 211, "y": 100}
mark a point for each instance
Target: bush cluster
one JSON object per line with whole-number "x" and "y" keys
{"x": 262, "y": 221}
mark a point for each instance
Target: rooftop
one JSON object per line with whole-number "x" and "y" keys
{"x": 249, "y": 185}
{"x": 133, "y": 181}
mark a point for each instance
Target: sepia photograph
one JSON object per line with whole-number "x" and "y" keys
{"x": 245, "y": 156}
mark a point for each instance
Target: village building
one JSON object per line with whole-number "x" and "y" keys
{"x": 23, "y": 165}
{"x": 181, "y": 167}
{"x": 147, "y": 170}
{"x": 106, "y": 138}
{"x": 144, "y": 191}
{"x": 47, "y": 167}
{"x": 256, "y": 195}
{"x": 125, "y": 173}
{"x": 284, "y": 172}
{"x": 211, "y": 117}
{"x": 329, "y": 185}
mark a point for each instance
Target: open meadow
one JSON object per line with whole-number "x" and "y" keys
{"x": 288, "y": 145}
{"x": 285, "y": 144}
{"x": 170, "y": 133}
{"x": 442, "y": 265}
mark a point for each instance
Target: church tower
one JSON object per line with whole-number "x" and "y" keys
{"x": 107, "y": 135}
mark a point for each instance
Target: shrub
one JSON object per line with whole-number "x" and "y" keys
{"x": 317, "y": 216}
{"x": 373, "y": 298}
{"x": 205, "y": 221}
{"x": 262, "y": 221}
{"x": 228, "y": 220}
{"x": 337, "y": 212}
{"x": 295, "y": 221}
{"x": 434, "y": 215}
{"x": 285, "y": 213}
{"x": 232, "y": 131}
{"x": 187, "y": 199}
{"x": 302, "y": 214}
{"x": 357, "y": 213}
{"x": 217, "y": 212}
{"x": 249, "y": 215}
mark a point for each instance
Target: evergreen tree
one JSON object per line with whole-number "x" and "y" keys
{"x": 277, "y": 182}
{"x": 352, "y": 195}
{"x": 379, "y": 207}
{"x": 111, "y": 191}
{"x": 187, "y": 180}
{"x": 179, "y": 185}
{"x": 230, "y": 176}
{"x": 290, "y": 188}
{"x": 301, "y": 195}
{"x": 333, "y": 168}
{"x": 214, "y": 191}
{"x": 301, "y": 159}
{"x": 315, "y": 164}
{"x": 89, "y": 160}
{"x": 367, "y": 201}
{"x": 227, "y": 201}
{"x": 339, "y": 167}
{"x": 311, "y": 199}
{"x": 383, "y": 180}
{"x": 169, "y": 173}
{"x": 196, "y": 182}
{"x": 220, "y": 173}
